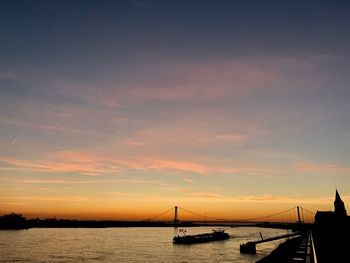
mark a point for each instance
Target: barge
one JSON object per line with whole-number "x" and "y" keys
{"x": 215, "y": 235}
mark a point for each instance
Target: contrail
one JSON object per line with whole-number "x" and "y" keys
{"x": 15, "y": 140}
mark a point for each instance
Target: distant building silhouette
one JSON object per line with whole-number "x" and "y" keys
{"x": 336, "y": 217}
{"x": 331, "y": 233}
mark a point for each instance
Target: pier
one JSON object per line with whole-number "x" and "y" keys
{"x": 296, "y": 249}
{"x": 250, "y": 246}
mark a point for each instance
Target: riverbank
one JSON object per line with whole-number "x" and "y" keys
{"x": 292, "y": 250}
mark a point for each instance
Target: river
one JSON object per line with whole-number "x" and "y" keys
{"x": 148, "y": 244}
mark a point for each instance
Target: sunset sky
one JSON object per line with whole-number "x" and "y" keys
{"x": 123, "y": 109}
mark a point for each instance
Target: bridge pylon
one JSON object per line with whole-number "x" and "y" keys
{"x": 176, "y": 217}
{"x": 299, "y": 219}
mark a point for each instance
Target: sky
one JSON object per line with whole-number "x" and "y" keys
{"x": 123, "y": 109}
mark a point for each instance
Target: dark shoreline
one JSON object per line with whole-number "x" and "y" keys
{"x": 62, "y": 223}
{"x": 17, "y": 221}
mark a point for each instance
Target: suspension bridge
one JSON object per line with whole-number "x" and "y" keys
{"x": 180, "y": 216}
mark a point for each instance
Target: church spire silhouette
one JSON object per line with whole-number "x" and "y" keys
{"x": 339, "y": 207}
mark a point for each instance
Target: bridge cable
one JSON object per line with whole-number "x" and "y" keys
{"x": 309, "y": 211}
{"x": 268, "y": 216}
{"x": 151, "y": 218}
{"x": 200, "y": 215}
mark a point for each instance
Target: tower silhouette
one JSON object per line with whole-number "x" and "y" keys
{"x": 339, "y": 207}
{"x": 176, "y": 217}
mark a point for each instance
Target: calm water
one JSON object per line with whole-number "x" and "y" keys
{"x": 126, "y": 245}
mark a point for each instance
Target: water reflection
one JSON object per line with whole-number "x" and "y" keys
{"x": 126, "y": 245}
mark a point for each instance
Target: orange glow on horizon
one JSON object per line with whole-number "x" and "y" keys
{"x": 208, "y": 212}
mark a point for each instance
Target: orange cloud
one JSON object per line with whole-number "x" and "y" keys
{"x": 41, "y": 181}
{"x": 201, "y": 194}
{"x": 265, "y": 198}
{"x": 47, "y": 198}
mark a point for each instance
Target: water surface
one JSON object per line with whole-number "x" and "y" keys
{"x": 150, "y": 244}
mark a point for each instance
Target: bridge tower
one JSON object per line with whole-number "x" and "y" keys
{"x": 176, "y": 217}
{"x": 299, "y": 219}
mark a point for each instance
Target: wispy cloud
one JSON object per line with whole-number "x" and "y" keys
{"x": 67, "y": 161}
{"x": 44, "y": 126}
{"x": 121, "y": 180}
{"x": 46, "y": 181}
{"x": 12, "y": 203}
{"x": 102, "y": 95}
{"x": 201, "y": 194}
{"x": 47, "y": 198}
{"x": 233, "y": 137}
{"x": 206, "y": 81}
{"x": 264, "y": 198}
{"x": 126, "y": 194}
{"x": 161, "y": 164}
{"x": 313, "y": 167}
{"x": 188, "y": 180}
{"x": 178, "y": 81}
{"x": 97, "y": 164}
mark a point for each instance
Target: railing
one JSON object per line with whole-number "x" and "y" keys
{"x": 313, "y": 248}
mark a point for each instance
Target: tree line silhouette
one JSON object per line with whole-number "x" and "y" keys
{"x": 18, "y": 221}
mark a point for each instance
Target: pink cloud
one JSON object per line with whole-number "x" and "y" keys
{"x": 95, "y": 164}
{"x": 100, "y": 95}
{"x": 65, "y": 162}
{"x": 207, "y": 80}
{"x": 134, "y": 143}
{"x": 195, "y": 132}
{"x": 161, "y": 164}
{"x": 232, "y": 137}
{"x": 230, "y": 170}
